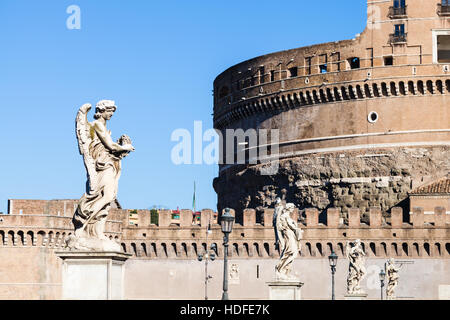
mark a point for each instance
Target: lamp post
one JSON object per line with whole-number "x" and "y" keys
{"x": 227, "y": 225}
{"x": 382, "y": 276}
{"x": 332, "y": 258}
{"x": 207, "y": 256}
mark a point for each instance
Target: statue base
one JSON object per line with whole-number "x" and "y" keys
{"x": 285, "y": 290}
{"x": 356, "y": 296}
{"x": 91, "y": 244}
{"x": 88, "y": 275}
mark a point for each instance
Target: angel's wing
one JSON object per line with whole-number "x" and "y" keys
{"x": 278, "y": 227}
{"x": 347, "y": 249}
{"x": 83, "y": 132}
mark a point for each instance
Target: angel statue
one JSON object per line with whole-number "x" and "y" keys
{"x": 288, "y": 236}
{"x": 278, "y": 209}
{"x": 392, "y": 278}
{"x": 102, "y": 159}
{"x": 356, "y": 269}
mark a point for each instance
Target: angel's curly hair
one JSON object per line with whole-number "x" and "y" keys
{"x": 102, "y": 106}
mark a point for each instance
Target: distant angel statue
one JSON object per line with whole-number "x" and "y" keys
{"x": 102, "y": 159}
{"x": 288, "y": 236}
{"x": 356, "y": 270}
{"x": 392, "y": 276}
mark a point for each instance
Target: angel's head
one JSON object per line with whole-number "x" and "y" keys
{"x": 290, "y": 207}
{"x": 105, "y": 109}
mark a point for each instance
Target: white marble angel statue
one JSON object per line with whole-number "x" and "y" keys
{"x": 392, "y": 278}
{"x": 288, "y": 235}
{"x": 102, "y": 159}
{"x": 356, "y": 269}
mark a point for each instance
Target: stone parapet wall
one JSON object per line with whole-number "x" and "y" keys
{"x": 422, "y": 236}
{"x": 381, "y": 237}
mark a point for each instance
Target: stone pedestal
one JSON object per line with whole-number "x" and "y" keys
{"x": 356, "y": 296}
{"x": 285, "y": 290}
{"x": 88, "y": 275}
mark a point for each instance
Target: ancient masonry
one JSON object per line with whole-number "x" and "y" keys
{"x": 425, "y": 236}
{"x": 362, "y": 122}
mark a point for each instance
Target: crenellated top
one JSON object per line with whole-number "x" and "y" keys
{"x": 182, "y": 239}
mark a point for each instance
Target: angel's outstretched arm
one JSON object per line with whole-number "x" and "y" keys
{"x": 106, "y": 139}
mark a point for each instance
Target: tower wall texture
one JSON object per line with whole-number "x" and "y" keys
{"x": 353, "y": 132}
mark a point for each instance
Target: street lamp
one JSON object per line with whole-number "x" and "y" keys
{"x": 227, "y": 225}
{"x": 332, "y": 258}
{"x": 207, "y": 256}
{"x": 382, "y": 276}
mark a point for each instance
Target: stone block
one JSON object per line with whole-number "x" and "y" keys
{"x": 354, "y": 218}
{"x": 92, "y": 275}
{"x": 439, "y": 217}
{"x": 312, "y": 217}
{"x": 285, "y": 290}
{"x": 206, "y": 217}
{"x": 268, "y": 217}
{"x": 396, "y": 217}
{"x": 375, "y": 217}
{"x": 418, "y": 217}
{"x": 333, "y": 215}
{"x": 249, "y": 217}
{"x": 164, "y": 218}
{"x": 356, "y": 296}
{"x": 143, "y": 218}
{"x": 186, "y": 218}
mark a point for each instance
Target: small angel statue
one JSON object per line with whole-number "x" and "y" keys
{"x": 392, "y": 277}
{"x": 102, "y": 159}
{"x": 356, "y": 269}
{"x": 288, "y": 236}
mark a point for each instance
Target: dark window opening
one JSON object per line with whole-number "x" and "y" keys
{"x": 443, "y": 48}
{"x": 323, "y": 68}
{"x": 388, "y": 61}
{"x": 272, "y": 75}
{"x": 293, "y": 72}
{"x": 261, "y": 75}
{"x": 354, "y": 63}
{"x": 308, "y": 63}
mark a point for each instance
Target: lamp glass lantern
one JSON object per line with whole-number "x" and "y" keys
{"x": 227, "y": 221}
{"x": 332, "y": 258}
{"x": 382, "y": 276}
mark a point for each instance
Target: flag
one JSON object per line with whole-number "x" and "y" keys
{"x": 193, "y": 199}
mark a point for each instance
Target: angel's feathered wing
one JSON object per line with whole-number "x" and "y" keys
{"x": 83, "y": 132}
{"x": 278, "y": 227}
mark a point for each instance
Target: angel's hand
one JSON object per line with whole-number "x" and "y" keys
{"x": 128, "y": 147}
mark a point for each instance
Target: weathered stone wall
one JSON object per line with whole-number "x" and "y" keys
{"x": 363, "y": 179}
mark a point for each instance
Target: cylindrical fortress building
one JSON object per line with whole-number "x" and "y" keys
{"x": 361, "y": 122}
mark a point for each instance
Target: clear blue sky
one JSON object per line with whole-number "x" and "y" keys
{"x": 157, "y": 60}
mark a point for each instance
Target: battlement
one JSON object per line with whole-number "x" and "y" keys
{"x": 398, "y": 235}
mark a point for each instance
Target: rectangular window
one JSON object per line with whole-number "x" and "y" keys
{"x": 308, "y": 64}
{"x": 399, "y": 30}
{"x": 399, "y": 3}
{"x": 443, "y": 49}
{"x": 272, "y": 75}
{"x": 261, "y": 75}
{"x": 388, "y": 61}
{"x": 293, "y": 72}
{"x": 323, "y": 68}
